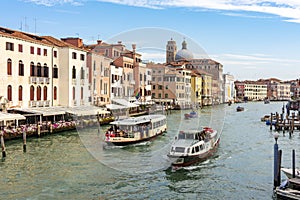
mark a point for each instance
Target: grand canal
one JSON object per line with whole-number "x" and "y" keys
{"x": 74, "y": 164}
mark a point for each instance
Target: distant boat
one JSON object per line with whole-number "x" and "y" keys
{"x": 135, "y": 129}
{"x": 239, "y": 109}
{"x": 192, "y": 114}
{"x": 192, "y": 146}
{"x": 229, "y": 103}
{"x": 266, "y": 101}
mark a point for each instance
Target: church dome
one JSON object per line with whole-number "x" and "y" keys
{"x": 184, "y": 53}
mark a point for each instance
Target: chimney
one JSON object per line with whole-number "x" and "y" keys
{"x": 133, "y": 48}
{"x": 74, "y": 41}
{"x": 119, "y": 42}
{"x": 99, "y": 42}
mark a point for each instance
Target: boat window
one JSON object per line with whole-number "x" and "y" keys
{"x": 197, "y": 148}
{"x": 181, "y": 135}
{"x": 190, "y": 136}
{"x": 193, "y": 150}
{"x": 179, "y": 149}
{"x": 201, "y": 147}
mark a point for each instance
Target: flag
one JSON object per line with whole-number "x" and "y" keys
{"x": 137, "y": 95}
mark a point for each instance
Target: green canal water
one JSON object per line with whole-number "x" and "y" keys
{"x": 76, "y": 164}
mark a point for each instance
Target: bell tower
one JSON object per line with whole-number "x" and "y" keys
{"x": 171, "y": 50}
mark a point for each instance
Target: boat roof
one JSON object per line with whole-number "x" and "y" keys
{"x": 185, "y": 142}
{"x": 191, "y": 131}
{"x": 138, "y": 120}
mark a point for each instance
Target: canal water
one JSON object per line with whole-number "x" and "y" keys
{"x": 78, "y": 165}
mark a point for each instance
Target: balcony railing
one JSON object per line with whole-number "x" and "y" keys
{"x": 74, "y": 103}
{"x": 32, "y": 103}
{"x": 74, "y": 81}
{"x": 32, "y": 79}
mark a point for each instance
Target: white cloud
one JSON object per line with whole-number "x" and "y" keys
{"x": 55, "y": 2}
{"x": 287, "y": 9}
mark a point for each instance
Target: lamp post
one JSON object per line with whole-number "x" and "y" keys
{"x": 276, "y": 183}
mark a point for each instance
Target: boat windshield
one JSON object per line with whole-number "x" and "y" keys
{"x": 183, "y": 135}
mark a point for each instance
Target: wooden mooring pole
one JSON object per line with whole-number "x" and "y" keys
{"x": 24, "y": 141}
{"x": 293, "y": 163}
{"x": 271, "y": 119}
{"x": 2, "y": 145}
{"x": 275, "y": 164}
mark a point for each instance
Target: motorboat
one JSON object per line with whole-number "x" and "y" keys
{"x": 240, "y": 108}
{"x": 192, "y": 146}
{"x": 134, "y": 130}
{"x": 192, "y": 114}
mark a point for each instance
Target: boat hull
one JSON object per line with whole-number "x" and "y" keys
{"x": 125, "y": 143}
{"x": 184, "y": 161}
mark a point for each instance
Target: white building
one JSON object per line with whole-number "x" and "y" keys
{"x": 28, "y": 63}
{"x": 229, "y": 91}
{"x": 42, "y": 71}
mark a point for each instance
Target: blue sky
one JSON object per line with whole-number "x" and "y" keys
{"x": 252, "y": 38}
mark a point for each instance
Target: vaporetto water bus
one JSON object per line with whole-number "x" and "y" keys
{"x": 136, "y": 129}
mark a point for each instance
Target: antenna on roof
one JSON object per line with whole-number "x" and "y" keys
{"x": 34, "y": 25}
{"x": 21, "y": 26}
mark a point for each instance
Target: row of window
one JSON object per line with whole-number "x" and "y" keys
{"x": 10, "y": 47}
{"x": 35, "y": 70}
{"x": 38, "y": 93}
{"x": 32, "y": 92}
{"x": 74, "y": 56}
{"x": 160, "y": 96}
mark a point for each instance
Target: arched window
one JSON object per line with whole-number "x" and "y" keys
{"x": 32, "y": 69}
{"x": 38, "y": 93}
{"x": 9, "y": 93}
{"x": 46, "y": 70}
{"x": 45, "y": 93}
{"x": 55, "y": 93}
{"x": 39, "y": 70}
{"x": 31, "y": 93}
{"x": 20, "y": 93}
{"x": 73, "y": 93}
{"x": 9, "y": 69}
{"x": 81, "y": 93}
{"x": 73, "y": 72}
{"x": 21, "y": 68}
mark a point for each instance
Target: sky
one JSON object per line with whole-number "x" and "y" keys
{"x": 252, "y": 39}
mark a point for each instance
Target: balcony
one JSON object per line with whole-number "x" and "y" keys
{"x": 46, "y": 80}
{"x": 74, "y": 81}
{"x": 74, "y": 103}
{"x": 32, "y": 103}
{"x": 32, "y": 79}
{"x": 82, "y": 102}
{"x": 40, "y": 103}
{"x": 40, "y": 80}
{"x": 47, "y": 103}
{"x": 116, "y": 84}
{"x": 82, "y": 81}
{"x": 132, "y": 82}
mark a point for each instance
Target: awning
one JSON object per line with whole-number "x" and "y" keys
{"x": 11, "y": 117}
{"x": 124, "y": 102}
{"x": 86, "y": 110}
{"x": 45, "y": 111}
{"x": 115, "y": 106}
